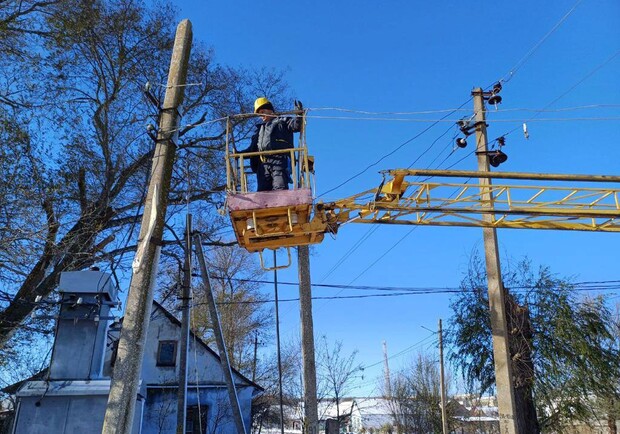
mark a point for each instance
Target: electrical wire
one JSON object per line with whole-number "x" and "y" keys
{"x": 393, "y": 151}
{"x": 406, "y": 350}
{"x": 536, "y": 46}
{"x": 371, "y": 231}
{"x": 430, "y": 147}
{"x": 381, "y": 295}
{"x": 588, "y": 75}
{"x": 365, "y": 270}
{"x": 364, "y": 112}
{"x": 445, "y": 120}
{"x": 393, "y": 246}
{"x": 349, "y": 252}
{"x": 602, "y": 285}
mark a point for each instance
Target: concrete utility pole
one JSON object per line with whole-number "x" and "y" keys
{"x": 277, "y": 305}
{"x": 501, "y": 350}
{"x": 442, "y": 379}
{"x": 386, "y": 372}
{"x": 126, "y": 378}
{"x": 307, "y": 341}
{"x": 185, "y": 325}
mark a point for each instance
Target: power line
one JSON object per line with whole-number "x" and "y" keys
{"x": 406, "y": 350}
{"x": 445, "y": 120}
{"x": 580, "y": 286}
{"x": 588, "y": 75}
{"x": 393, "y": 151}
{"x": 383, "y": 295}
{"x": 431, "y": 146}
{"x": 529, "y": 54}
{"x": 453, "y": 110}
{"x": 349, "y": 252}
{"x": 371, "y": 231}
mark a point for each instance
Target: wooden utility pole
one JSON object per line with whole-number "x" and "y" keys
{"x": 307, "y": 341}
{"x": 497, "y": 305}
{"x": 442, "y": 385}
{"x": 185, "y": 326}
{"x": 127, "y": 370}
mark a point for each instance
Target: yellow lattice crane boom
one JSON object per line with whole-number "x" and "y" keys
{"x": 578, "y": 206}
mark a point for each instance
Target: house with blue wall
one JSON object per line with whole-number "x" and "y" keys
{"x": 71, "y": 395}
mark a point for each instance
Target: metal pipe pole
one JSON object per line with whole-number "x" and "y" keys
{"x": 219, "y": 338}
{"x": 185, "y": 325}
{"x": 508, "y": 423}
{"x": 255, "y": 355}
{"x": 121, "y": 405}
{"x": 442, "y": 378}
{"x": 275, "y": 287}
{"x": 307, "y": 341}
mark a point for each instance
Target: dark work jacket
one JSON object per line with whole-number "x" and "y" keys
{"x": 270, "y": 136}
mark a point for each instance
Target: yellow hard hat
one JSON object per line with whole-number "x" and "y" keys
{"x": 261, "y": 103}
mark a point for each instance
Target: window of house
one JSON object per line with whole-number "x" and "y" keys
{"x": 167, "y": 353}
{"x": 195, "y": 420}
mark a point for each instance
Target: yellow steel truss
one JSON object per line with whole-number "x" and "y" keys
{"x": 557, "y": 206}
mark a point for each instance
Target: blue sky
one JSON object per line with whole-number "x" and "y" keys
{"x": 411, "y": 56}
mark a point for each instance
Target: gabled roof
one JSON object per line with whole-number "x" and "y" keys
{"x": 175, "y": 321}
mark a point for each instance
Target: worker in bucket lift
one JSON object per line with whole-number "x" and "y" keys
{"x": 273, "y": 133}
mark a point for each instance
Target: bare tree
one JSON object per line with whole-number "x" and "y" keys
{"x": 337, "y": 370}
{"x": 266, "y": 411}
{"x": 244, "y": 312}
{"x": 415, "y": 400}
{"x": 164, "y": 411}
{"x": 82, "y": 153}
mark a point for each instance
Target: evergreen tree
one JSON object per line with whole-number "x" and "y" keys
{"x": 563, "y": 345}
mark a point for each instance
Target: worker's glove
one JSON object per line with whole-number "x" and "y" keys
{"x": 299, "y": 108}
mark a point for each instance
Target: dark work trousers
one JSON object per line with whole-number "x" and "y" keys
{"x": 272, "y": 175}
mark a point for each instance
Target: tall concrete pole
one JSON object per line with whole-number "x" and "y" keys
{"x": 442, "y": 385}
{"x": 127, "y": 370}
{"x": 185, "y": 326}
{"x": 386, "y": 372}
{"x": 307, "y": 341}
{"x": 279, "y": 353}
{"x": 501, "y": 352}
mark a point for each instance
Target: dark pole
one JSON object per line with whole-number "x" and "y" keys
{"x": 185, "y": 317}
{"x": 275, "y": 287}
{"x": 255, "y": 351}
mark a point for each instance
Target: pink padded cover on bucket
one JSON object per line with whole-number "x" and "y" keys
{"x": 269, "y": 199}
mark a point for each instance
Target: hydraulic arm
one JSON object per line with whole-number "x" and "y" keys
{"x": 582, "y": 205}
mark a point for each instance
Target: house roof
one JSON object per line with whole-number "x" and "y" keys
{"x": 175, "y": 321}
{"x": 12, "y": 389}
